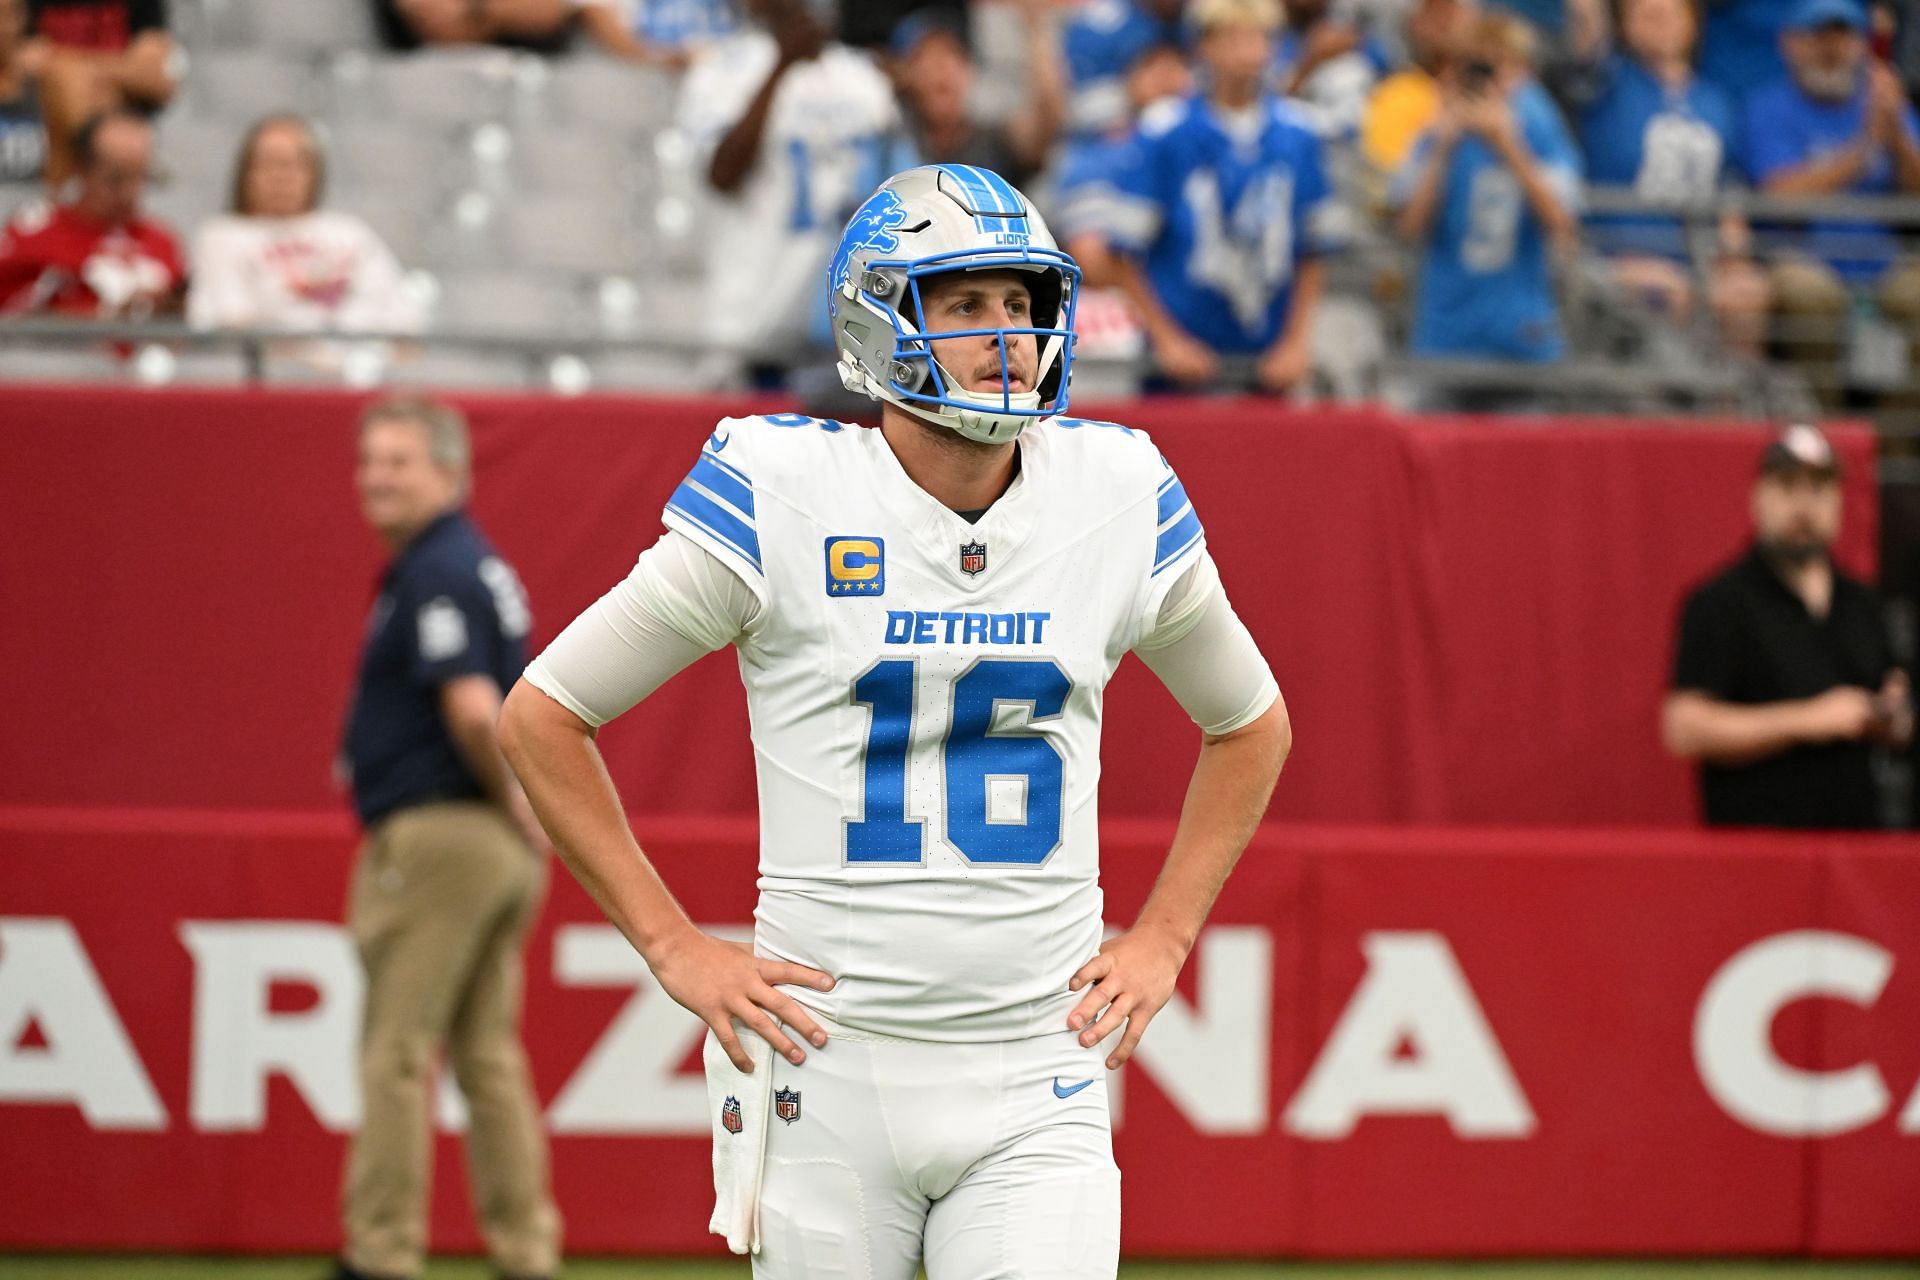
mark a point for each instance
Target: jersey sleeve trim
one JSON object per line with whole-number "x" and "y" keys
{"x": 1177, "y": 523}
{"x": 717, "y": 500}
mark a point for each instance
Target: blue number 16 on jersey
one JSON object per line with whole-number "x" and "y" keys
{"x": 974, "y": 757}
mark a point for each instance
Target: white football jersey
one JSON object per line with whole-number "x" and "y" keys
{"x": 832, "y": 135}
{"x": 925, "y": 698}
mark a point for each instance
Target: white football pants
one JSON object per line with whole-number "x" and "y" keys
{"x": 987, "y": 1161}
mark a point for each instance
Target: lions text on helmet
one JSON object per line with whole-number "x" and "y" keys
{"x": 901, "y": 250}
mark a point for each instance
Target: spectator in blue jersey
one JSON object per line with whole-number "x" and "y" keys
{"x": 1101, "y": 44}
{"x": 1225, "y": 213}
{"x": 1837, "y": 124}
{"x": 1492, "y": 190}
{"x": 1649, "y": 123}
{"x": 1327, "y": 65}
{"x": 1086, "y": 190}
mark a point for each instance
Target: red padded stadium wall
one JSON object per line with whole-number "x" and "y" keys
{"x": 1471, "y": 619}
{"x": 1391, "y": 1041}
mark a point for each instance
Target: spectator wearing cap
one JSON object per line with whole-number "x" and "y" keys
{"x": 99, "y": 254}
{"x": 96, "y": 56}
{"x": 1649, "y": 123}
{"x": 23, "y": 125}
{"x": 935, "y": 73}
{"x": 1784, "y": 680}
{"x": 1837, "y": 124}
{"x": 1491, "y": 190}
{"x": 277, "y": 260}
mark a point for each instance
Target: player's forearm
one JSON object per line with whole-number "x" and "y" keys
{"x": 1696, "y": 727}
{"x": 1821, "y": 177}
{"x": 733, "y": 158}
{"x": 1547, "y": 204}
{"x": 470, "y": 707}
{"x": 1416, "y": 219}
{"x": 1232, "y": 782}
{"x": 141, "y": 69}
{"x": 1308, "y": 281}
{"x": 1037, "y": 126}
{"x": 1906, "y": 159}
{"x": 1133, "y": 283}
{"x": 553, "y": 753}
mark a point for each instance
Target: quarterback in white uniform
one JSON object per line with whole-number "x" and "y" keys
{"x": 906, "y": 1064}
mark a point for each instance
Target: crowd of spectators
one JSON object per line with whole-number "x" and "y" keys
{"x": 1206, "y": 161}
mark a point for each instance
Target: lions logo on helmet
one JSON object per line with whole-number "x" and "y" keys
{"x": 871, "y": 227}
{"x": 925, "y": 222}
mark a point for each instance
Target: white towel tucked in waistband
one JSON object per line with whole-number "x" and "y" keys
{"x": 740, "y": 1105}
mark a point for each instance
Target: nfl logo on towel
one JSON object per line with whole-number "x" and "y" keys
{"x": 730, "y": 1116}
{"x": 786, "y": 1104}
{"x": 973, "y": 558}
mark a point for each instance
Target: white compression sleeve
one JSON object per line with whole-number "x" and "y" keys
{"x": 679, "y": 604}
{"x": 1205, "y": 655}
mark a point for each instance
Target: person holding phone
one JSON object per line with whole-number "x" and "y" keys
{"x": 1492, "y": 190}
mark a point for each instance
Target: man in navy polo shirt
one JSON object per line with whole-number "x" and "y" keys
{"x": 453, "y": 866}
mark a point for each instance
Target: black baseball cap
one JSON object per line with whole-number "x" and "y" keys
{"x": 1800, "y": 447}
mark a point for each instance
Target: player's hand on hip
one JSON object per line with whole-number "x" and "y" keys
{"x": 721, "y": 982}
{"x": 1131, "y": 980}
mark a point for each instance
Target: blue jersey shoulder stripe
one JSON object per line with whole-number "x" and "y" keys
{"x": 723, "y": 483}
{"x": 1176, "y": 539}
{"x": 716, "y": 520}
{"x": 728, "y": 467}
{"x": 1173, "y": 498}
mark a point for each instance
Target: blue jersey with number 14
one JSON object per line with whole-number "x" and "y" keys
{"x": 925, "y": 695}
{"x": 1222, "y": 211}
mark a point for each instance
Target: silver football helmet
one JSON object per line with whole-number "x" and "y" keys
{"x": 940, "y": 218}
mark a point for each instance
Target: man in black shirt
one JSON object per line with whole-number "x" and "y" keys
{"x": 1783, "y": 680}
{"x": 453, "y": 866}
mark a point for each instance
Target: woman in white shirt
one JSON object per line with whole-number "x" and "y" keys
{"x": 279, "y": 261}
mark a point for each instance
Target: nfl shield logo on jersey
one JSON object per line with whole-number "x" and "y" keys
{"x": 730, "y": 1116}
{"x": 973, "y": 558}
{"x": 786, "y": 1104}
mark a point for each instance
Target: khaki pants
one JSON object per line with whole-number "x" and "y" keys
{"x": 441, "y": 902}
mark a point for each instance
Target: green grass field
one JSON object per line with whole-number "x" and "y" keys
{"x": 61, "y": 1267}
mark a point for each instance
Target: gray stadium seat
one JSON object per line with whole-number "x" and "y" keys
{"x": 638, "y": 370}
{"x": 568, "y": 234}
{"x": 435, "y": 87}
{"x": 367, "y": 160}
{"x": 307, "y": 26}
{"x": 612, "y": 95}
{"x": 461, "y": 368}
{"x": 60, "y": 364}
{"x": 537, "y": 304}
{"x": 239, "y": 86}
{"x": 555, "y": 160}
{"x": 399, "y": 219}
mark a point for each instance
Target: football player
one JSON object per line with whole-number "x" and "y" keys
{"x": 926, "y": 616}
